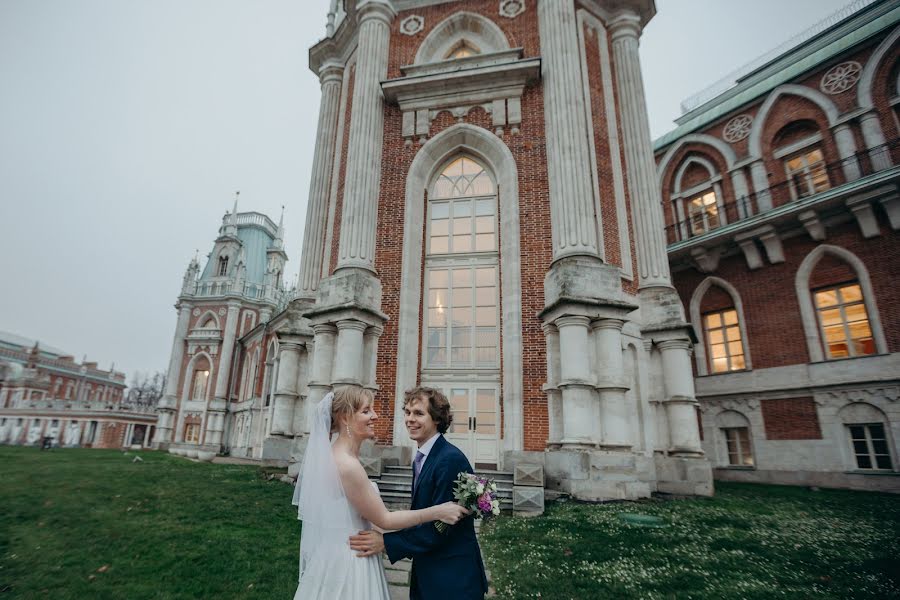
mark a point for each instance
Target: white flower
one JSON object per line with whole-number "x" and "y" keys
{"x": 495, "y": 511}
{"x": 495, "y": 504}
{"x": 480, "y": 489}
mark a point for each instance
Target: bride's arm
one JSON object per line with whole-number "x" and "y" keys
{"x": 368, "y": 503}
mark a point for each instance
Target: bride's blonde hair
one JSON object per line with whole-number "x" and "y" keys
{"x": 347, "y": 400}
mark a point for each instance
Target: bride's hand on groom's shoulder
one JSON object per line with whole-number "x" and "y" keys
{"x": 451, "y": 513}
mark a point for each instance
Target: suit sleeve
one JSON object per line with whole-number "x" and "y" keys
{"x": 407, "y": 543}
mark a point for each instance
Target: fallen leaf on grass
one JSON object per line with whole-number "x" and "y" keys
{"x": 103, "y": 569}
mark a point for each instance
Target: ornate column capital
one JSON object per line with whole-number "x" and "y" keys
{"x": 683, "y": 344}
{"x": 381, "y": 10}
{"x": 331, "y": 72}
{"x": 615, "y": 324}
{"x": 324, "y": 329}
{"x": 549, "y": 329}
{"x": 374, "y": 331}
{"x": 625, "y": 24}
{"x": 571, "y": 321}
{"x": 351, "y": 324}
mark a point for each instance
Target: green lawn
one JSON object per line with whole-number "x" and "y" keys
{"x": 92, "y": 524}
{"x": 750, "y": 541}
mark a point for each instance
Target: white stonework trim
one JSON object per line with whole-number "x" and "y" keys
{"x": 488, "y": 148}
{"x": 209, "y": 313}
{"x": 412, "y": 25}
{"x": 612, "y": 120}
{"x": 859, "y": 412}
{"x": 815, "y": 96}
{"x": 697, "y": 322}
{"x": 867, "y": 79}
{"x": 807, "y": 311}
{"x": 588, "y": 108}
{"x": 479, "y": 31}
{"x": 724, "y": 149}
{"x": 710, "y": 169}
{"x": 189, "y": 376}
{"x": 730, "y": 417}
{"x": 336, "y": 169}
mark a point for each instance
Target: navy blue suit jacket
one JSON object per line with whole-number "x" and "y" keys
{"x": 446, "y": 566}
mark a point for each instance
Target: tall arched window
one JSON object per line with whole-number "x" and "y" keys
{"x": 223, "y": 266}
{"x": 462, "y": 317}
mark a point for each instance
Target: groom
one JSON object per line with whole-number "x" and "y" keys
{"x": 445, "y": 566}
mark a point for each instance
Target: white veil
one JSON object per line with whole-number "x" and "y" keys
{"x": 321, "y": 504}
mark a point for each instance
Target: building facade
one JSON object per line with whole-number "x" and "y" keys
{"x": 488, "y": 215}
{"x": 218, "y": 394}
{"x": 781, "y": 202}
{"x": 45, "y": 393}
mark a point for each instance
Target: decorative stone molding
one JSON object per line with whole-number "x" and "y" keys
{"x": 841, "y": 77}
{"x": 511, "y": 8}
{"x": 493, "y": 81}
{"x": 527, "y": 474}
{"x": 740, "y": 405}
{"x": 870, "y": 395}
{"x": 737, "y": 128}
{"x": 814, "y": 226}
{"x": 222, "y": 312}
{"x": 412, "y": 25}
{"x": 196, "y": 312}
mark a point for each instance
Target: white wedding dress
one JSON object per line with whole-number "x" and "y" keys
{"x": 329, "y": 569}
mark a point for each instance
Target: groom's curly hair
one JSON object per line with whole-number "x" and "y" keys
{"x": 438, "y": 405}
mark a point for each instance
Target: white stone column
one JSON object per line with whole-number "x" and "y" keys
{"x": 760, "y": 178}
{"x": 653, "y": 265}
{"x": 169, "y": 402}
{"x": 349, "y": 367}
{"x": 574, "y": 219}
{"x": 678, "y": 379}
{"x": 875, "y": 142}
{"x": 741, "y": 193}
{"x": 363, "y": 175}
{"x": 286, "y": 389}
{"x": 846, "y": 147}
{"x": 554, "y": 398}
{"x": 370, "y": 355}
{"x": 320, "y": 183}
{"x": 322, "y": 363}
{"x": 616, "y": 428}
{"x": 226, "y": 352}
{"x": 578, "y": 405}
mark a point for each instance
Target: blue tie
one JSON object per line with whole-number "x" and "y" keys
{"x": 417, "y": 468}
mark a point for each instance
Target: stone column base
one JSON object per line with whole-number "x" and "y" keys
{"x": 276, "y": 450}
{"x": 688, "y": 476}
{"x": 599, "y": 475}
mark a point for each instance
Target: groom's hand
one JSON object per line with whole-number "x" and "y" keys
{"x": 367, "y": 543}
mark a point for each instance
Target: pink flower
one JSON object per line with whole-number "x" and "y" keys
{"x": 484, "y": 503}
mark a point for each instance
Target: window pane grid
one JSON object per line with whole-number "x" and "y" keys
{"x": 461, "y": 324}
{"x": 844, "y": 321}
{"x": 703, "y": 212}
{"x": 737, "y": 442}
{"x": 807, "y": 174}
{"x": 723, "y": 336}
{"x": 869, "y": 446}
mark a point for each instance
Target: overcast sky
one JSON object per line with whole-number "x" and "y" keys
{"x": 127, "y": 125}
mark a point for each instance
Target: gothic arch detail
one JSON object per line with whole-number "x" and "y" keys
{"x": 804, "y": 297}
{"x": 816, "y": 97}
{"x": 495, "y": 156}
{"x": 696, "y": 321}
{"x": 478, "y": 31}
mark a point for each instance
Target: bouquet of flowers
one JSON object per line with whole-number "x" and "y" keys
{"x": 477, "y": 494}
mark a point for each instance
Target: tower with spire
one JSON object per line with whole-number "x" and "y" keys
{"x": 224, "y": 310}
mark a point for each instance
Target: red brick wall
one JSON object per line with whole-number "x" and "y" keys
{"x": 791, "y": 419}
{"x": 112, "y": 435}
{"x": 715, "y": 299}
{"x": 528, "y": 149}
{"x": 771, "y": 308}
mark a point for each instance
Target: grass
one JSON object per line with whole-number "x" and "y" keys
{"x": 750, "y": 541}
{"x": 92, "y": 524}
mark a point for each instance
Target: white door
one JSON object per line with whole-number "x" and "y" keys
{"x": 476, "y": 422}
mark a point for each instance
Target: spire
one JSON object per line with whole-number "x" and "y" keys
{"x": 231, "y": 219}
{"x": 279, "y": 237}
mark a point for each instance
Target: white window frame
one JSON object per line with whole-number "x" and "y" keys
{"x": 741, "y": 455}
{"x": 870, "y": 447}
{"x": 841, "y": 306}
{"x": 803, "y": 147}
{"x": 723, "y": 328}
{"x": 680, "y": 197}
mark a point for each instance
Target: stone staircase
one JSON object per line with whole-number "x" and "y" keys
{"x": 395, "y": 485}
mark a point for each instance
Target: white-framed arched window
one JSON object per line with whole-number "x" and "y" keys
{"x": 734, "y": 440}
{"x": 462, "y": 320}
{"x": 699, "y": 207}
{"x": 840, "y": 320}
{"x": 722, "y": 331}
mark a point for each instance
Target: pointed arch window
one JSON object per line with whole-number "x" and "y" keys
{"x": 843, "y": 321}
{"x": 222, "y": 271}
{"x": 199, "y": 384}
{"x": 462, "y": 270}
{"x": 723, "y": 337}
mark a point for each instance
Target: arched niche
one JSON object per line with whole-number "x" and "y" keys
{"x": 476, "y": 31}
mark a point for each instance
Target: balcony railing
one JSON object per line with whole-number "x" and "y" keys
{"x": 776, "y": 195}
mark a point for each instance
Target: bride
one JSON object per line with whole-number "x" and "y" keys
{"x": 335, "y": 500}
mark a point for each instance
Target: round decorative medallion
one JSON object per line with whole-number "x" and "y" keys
{"x": 841, "y": 78}
{"x": 412, "y": 25}
{"x": 221, "y": 312}
{"x": 737, "y": 128}
{"x": 196, "y": 312}
{"x": 511, "y": 8}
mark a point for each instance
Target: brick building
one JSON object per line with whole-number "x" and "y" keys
{"x": 45, "y": 393}
{"x": 488, "y": 215}
{"x": 780, "y": 196}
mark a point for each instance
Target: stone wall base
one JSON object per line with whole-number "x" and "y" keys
{"x": 684, "y": 475}
{"x": 276, "y": 450}
{"x": 594, "y": 475}
{"x": 889, "y": 482}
